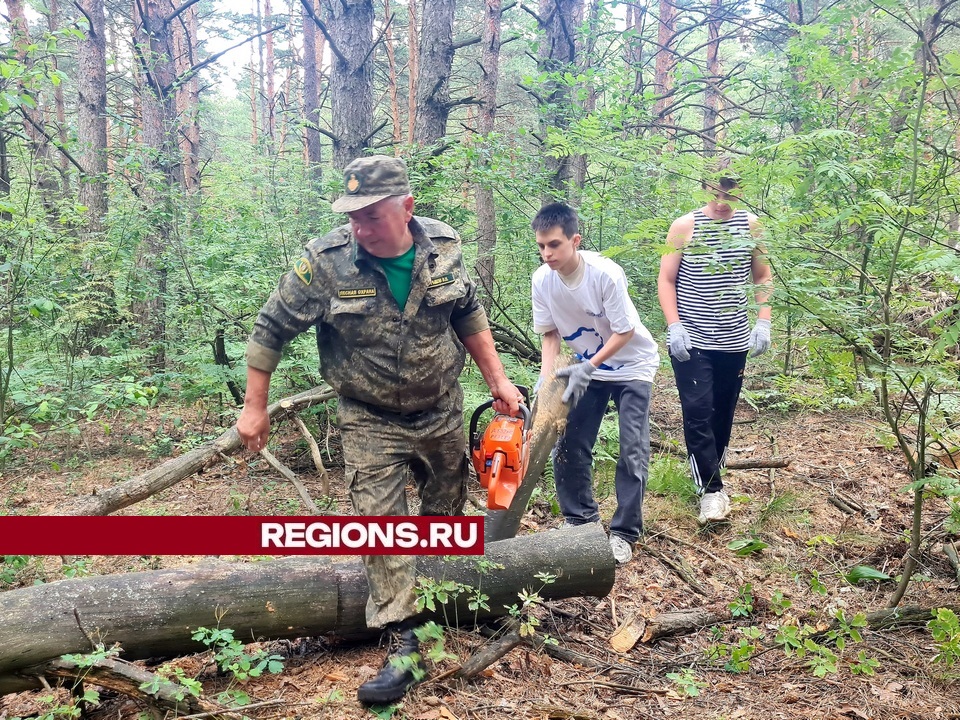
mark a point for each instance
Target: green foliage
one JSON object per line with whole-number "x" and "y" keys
{"x": 739, "y": 657}
{"x": 185, "y": 686}
{"x": 522, "y": 613}
{"x": 816, "y": 585}
{"x": 15, "y": 437}
{"x": 945, "y": 630}
{"x": 821, "y": 650}
{"x": 779, "y": 603}
{"x": 742, "y": 606}
{"x": 864, "y": 572}
{"x": 687, "y": 681}
{"x": 952, "y": 524}
{"x": 231, "y": 657}
{"x": 747, "y": 546}
{"x": 12, "y": 567}
{"x": 81, "y": 698}
{"x": 77, "y": 569}
{"x": 670, "y": 477}
{"x": 430, "y": 592}
{"x": 72, "y": 708}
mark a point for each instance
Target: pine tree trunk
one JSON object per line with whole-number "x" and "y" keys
{"x": 436, "y": 64}
{"x": 486, "y": 208}
{"x": 270, "y": 77}
{"x": 92, "y": 115}
{"x": 578, "y": 161}
{"x": 188, "y": 97}
{"x": 54, "y": 21}
{"x": 665, "y": 59}
{"x": 350, "y": 23}
{"x": 163, "y": 170}
{"x": 633, "y": 52}
{"x": 34, "y": 126}
{"x": 392, "y": 76}
{"x": 254, "y": 115}
{"x": 311, "y": 95}
{"x": 559, "y": 20}
{"x": 413, "y": 67}
{"x": 711, "y": 95}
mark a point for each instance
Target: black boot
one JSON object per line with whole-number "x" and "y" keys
{"x": 394, "y": 678}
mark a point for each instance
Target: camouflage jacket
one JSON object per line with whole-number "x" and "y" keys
{"x": 369, "y": 350}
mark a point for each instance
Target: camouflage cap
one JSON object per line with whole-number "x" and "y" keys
{"x": 371, "y": 179}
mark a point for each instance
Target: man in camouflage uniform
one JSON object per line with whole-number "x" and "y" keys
{"x": 395, "y": 314}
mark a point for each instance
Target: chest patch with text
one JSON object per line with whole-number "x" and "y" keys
{"x": 357, "y": 293}
{"x": 442, "y": 280}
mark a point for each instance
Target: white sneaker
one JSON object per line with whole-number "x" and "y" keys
{"x": 714, "y": 507}
{"x": 567, "y": 524}
{"x": 622, "y": 552}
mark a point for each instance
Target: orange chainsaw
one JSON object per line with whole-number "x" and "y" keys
{"x": 501, "y": 454}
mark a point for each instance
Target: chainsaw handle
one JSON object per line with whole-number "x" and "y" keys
{"x": 475, "y": 418}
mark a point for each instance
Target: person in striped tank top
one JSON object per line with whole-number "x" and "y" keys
{"x": 702, "y": 287}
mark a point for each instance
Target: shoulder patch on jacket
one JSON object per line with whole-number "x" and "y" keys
{"x": 304, "y": 270}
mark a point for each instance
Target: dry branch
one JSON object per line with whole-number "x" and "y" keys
{"x": 108, "y": 500}
{"x": 680, "y": 567}
{"x": 292, "y": 477}
{"x": 315, "y": 454}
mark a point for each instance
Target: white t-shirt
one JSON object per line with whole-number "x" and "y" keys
{"x": 589, "y": 314}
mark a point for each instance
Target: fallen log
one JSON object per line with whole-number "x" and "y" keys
{"x": 676, "y": 449}
{"x": 152, "y": 614}
{"x": 950, "y": 550}
{"x": 688, "y": 621}
{"x": 108, "y": 500}
{"x": 490, "y": 653}
{"x": 126, "y": 678}
{"x": 908, "y": 615}
{"x": 758, "y": 463}
{"x": 684, "y": 621}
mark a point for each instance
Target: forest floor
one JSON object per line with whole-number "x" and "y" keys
{"x": 796, "y": 580}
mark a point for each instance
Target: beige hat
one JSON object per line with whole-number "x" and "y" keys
{"x": 371, "y": 179}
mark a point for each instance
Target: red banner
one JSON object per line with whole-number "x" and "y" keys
{"x": 233, "y": 535}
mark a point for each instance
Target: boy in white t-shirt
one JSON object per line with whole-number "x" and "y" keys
{"x": 581, "y": 297}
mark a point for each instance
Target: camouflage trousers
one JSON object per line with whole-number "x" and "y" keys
{"x": 384, "y": 451}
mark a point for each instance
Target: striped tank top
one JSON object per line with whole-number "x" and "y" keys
{"x": 712, "y": 282}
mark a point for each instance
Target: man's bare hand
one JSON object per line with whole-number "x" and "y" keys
{"x": 254, "y": 427}
{"x": 506, "y": 398}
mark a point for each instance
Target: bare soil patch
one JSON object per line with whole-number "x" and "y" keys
{"x": 811, "y": 545}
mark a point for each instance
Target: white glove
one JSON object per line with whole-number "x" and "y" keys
{"x": 760, "y": 338}
{"x": 678, "y": 342}
{"x": 578, "y": 378}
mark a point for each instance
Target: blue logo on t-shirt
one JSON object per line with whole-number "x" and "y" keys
{"x": 586, "y": 355}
